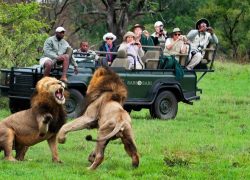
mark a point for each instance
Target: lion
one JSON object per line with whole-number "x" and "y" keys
{"x": 41, "y": 122}
{"x": 105, "y": 97}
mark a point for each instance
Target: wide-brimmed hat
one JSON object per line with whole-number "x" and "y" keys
{"x": 109, "y": 35}
{"x": 175, "y": 30}
{"x": 60, "y": 29}
{"x": 129, "y": 33}
{"x": 136, "y": 26}
{"x": 202, "y": 20}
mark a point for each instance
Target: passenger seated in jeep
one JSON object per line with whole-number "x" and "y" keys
{"x": 176, "y": 45}
{"x": 142, "y": 36}
{"x": 83, "y": 53}
{"x": 200, "y": 38}
{"x": 55, "y": 51}
{"x": 108, "y": 45}
{"x": 131, "y": 46}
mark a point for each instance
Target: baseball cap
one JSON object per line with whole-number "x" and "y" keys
{"x": 158, "y": 23}
{"x": 60, "y": 29}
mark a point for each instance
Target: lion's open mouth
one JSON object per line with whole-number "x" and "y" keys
{"x": 59, "y": 96}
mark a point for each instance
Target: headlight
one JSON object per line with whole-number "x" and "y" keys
{"x": 5, "y": 78}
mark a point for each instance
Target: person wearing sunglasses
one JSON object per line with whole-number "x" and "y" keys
{"x": 177, "y": 44}
{"x": 108, "y": 45}
{"x": 199, "y": 39}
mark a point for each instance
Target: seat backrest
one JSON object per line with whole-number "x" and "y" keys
{"x": 151, "y": 54}
{"x": 121, "y": 60}
{"x": 151, "y": 59}
{"x": 209, "y": 51}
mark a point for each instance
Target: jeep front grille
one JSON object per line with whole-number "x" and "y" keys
{"x": 23, "y": 79}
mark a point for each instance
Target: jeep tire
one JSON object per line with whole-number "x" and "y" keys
{"x": 165, "y": 106}
{"x": 74, "y": 104}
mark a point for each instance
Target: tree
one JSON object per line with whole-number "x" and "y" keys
{"x": 114, "y": 14}
{"x": 20, "y": 33}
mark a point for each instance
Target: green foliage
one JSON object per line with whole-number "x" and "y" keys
{"x": 207, "y": 140}
{"x": 4, "y": 102}
{"x": 20, "y": 34}
{"x": 177, "y": 13}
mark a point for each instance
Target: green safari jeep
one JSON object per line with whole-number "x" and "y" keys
{"x": 152, "y": 88}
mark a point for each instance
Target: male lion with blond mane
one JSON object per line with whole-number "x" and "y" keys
{"x": 105, "y": 96}
{"x": 41, "y": 122}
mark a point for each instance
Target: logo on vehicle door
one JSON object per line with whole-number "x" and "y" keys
{"x": 139, "y": 83}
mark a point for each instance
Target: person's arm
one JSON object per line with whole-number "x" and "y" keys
{"x": 124, "y": 47}
{"x": 191, "y": 35}
{"x": 169, "y": 45}
{"x": 73, "y": 59}
{"x": 140, "y": 51}
{"x": 214, "y": 39}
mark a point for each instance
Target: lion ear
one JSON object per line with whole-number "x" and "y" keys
{"x": 43, "y": 83}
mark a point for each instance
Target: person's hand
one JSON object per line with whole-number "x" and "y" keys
{"x": 210, "y": 30}
{"x": 59, "y": 58}
{"x": 180, "y": 38}
{"x": 146, "y": 33}
{"x": 138, "y": 44}
{"x": 75, "y": 69}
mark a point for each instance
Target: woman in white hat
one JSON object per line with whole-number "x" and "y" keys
{"x": 108, "y": 46}
{"x": 132, "y": 47}
{"x": 160, "y": 35}
{"x": 176, "y": 44}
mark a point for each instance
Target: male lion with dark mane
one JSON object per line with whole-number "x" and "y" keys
{"x": 41, "y": 122}
{"x": 105, "y": 97}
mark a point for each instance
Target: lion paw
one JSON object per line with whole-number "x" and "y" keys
{"x": 12, "y": 159}
{"x": 61, "y": 139}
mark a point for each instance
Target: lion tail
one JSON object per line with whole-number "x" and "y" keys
{"x": 118, "y": 127}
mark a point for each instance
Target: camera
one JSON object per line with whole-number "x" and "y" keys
{"x": 161, "y": 28}
{"x": 136, "y": 44}
{"x": 199, "y": 49}
{"x": 208, "y": 28}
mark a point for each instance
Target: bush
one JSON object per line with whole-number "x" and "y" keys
{"x": 4, "y": 103}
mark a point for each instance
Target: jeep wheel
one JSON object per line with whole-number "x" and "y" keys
{"x": 74, "y": 104}
{"x": 16, "y": 105}
{"x": 165, "y": 106}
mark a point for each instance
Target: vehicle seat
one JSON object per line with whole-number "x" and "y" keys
{"x": 209, "y": 53}
{"x": 183, "y": 57}
{"x": 151, "y": 59}
{"x": 121, "y": 60}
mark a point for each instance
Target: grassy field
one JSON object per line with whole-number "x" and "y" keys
{"x": 209, "y": 140}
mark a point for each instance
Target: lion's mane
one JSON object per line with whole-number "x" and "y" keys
{"x": 106, "y": 80}
{"x": 42, "y": 102}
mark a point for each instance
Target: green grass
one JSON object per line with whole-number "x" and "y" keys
{"x": 209, "y": 140}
